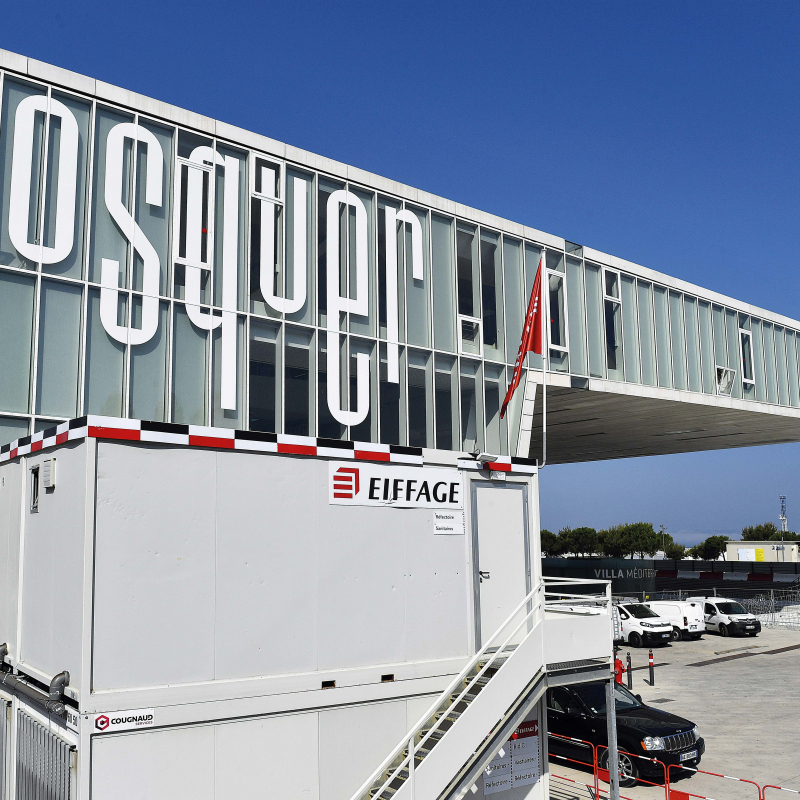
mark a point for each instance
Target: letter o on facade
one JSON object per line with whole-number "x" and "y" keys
{"x": 21, "y": 176}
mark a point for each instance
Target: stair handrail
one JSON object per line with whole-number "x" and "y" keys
{"x": 445, "y": 695}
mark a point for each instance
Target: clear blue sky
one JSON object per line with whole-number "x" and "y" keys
{"x": 664, "y": 133}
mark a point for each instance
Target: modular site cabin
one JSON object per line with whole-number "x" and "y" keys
{"x": 264, "y": 528}
{"x": 238, "y": 621}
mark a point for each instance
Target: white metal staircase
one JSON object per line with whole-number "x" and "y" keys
{"x": 445, "y": 753}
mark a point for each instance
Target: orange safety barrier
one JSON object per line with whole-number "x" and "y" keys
{"x": 676, "y": 794}
{"x": 590, "y": 788}
{"x": 604, "y": 775}
{"x": 580, "y": 743}
{"x": 777, "y": 788}
{"x": 599, "y": 774}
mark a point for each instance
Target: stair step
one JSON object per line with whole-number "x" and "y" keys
{"x": 387, "y": 792}
{"x": 437, "y": 734}
{"x": 450, "y": 716}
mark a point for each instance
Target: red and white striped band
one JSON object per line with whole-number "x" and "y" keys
{"x": 114, "y": 428}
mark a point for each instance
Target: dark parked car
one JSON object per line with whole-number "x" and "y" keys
{"x": 579, "y": 711}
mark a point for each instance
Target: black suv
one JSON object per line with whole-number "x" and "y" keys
{"x": 579, "y": 711}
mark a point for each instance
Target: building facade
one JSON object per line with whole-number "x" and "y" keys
{"x": 158, "y": 265}
{"x": 245, "y": 551}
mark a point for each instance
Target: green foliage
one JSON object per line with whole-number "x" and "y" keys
{"x": 584, "y": 541}
{"x": 644, "y": 541}
{"x": 631, "y": 539}
{"x": 614, "y": 542}
{"x": 550, "y": 544}
{"x": 578, "y": 541}
{"x": 766, "y": 533}
{"x": 675, "y": 551}
{"x": 710, "y": 549}
{"x": 760, "y": 533}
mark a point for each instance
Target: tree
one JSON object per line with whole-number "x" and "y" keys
{"x": 710, "y": 549}
{"x": 579, "y": 541}
{"x": 760, "y": 533}
{"x": 584, "y": 541}
{"x": 643, "y": 539}
{"x": 614, "y": 542}
{"x": 675, "y": 551}
{"x": 551, "y": 547}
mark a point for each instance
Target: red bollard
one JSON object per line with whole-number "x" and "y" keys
{"x": 652, "y": 669}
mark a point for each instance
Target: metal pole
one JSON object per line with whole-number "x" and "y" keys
{"x": 630, "y": 672}
{"x": 544, "y": 313}
{"x": 613, "y": 755}
{"x": 652, "y": 669}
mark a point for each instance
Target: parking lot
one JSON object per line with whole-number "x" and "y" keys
{"x": 743, "y": 693}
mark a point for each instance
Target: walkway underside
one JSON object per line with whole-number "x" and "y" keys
{"x": 590, "y": 425}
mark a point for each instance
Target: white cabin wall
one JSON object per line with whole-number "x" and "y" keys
{"x": 154, "y": 583}
{"x": 233, "y": 565}
{"x": 353, "y": 741}
{"x": 316, "y": 755}
{"x": 53, "y": 566}
{"x": 535, "y": 528}
{"x": 158, "y": 765}
{"x": 11, "y": 487}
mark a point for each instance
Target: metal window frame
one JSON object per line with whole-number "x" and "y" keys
{"x": 251, "y": 155}
{"x": 562, "y": 276}
{"x": 618, "y": 302}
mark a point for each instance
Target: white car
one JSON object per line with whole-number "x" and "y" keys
{"x": 728, "y": 617}
{"x": 685, "y": 616}
{"x": 636, "y": 624}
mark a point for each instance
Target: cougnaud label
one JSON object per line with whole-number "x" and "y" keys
{"x": 109, "y": 722}
{"x": 364, "y": 484}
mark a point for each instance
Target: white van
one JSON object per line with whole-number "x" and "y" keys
{"x": 685, "y": 616}
{"x": 728, "y": 617}
{"x": 637, "y": 625}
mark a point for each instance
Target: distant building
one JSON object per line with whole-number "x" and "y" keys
{"x": 762, "y": 551}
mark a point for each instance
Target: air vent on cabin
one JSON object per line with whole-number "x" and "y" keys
{"x": 49, "y": 473}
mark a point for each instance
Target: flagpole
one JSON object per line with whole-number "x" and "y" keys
{"x": 545, "y": 353}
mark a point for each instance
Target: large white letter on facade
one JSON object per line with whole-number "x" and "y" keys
{"x": 392, "y": 325}
{"x": 337, "y": 303}
{"x": 21, "y": 173}
{"x": 151, "y": 272}
{"x": 267, "y": 249}
{"x": 230, "y": 249}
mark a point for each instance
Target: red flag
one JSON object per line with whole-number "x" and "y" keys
{"x": 531, "y": 336}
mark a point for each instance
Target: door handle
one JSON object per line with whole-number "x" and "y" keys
{"x": 483, "y": 575}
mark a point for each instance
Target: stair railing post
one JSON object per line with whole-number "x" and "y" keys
{"x": 411, "y": 765}
{"x": 613, "y": 755}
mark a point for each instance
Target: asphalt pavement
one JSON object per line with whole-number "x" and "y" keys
{"x": 743, "y": 693}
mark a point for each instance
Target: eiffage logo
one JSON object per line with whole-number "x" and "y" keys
{"x": 345, "y": 483}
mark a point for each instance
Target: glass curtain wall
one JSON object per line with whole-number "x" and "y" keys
{"x": 188, "y": 258}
